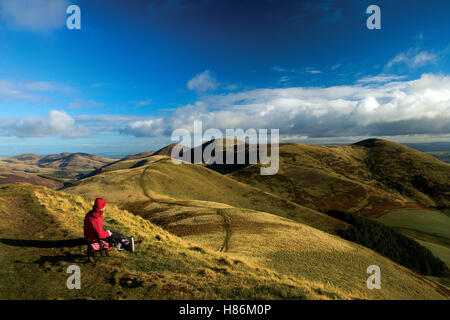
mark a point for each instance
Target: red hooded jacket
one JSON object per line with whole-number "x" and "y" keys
{"x": 93, "y": 222}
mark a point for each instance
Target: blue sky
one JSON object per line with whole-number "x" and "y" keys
{"x": 137, "y": 70}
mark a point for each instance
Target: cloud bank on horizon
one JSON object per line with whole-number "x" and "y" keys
{"x": 373, "y": 108}
{"x": 379, "y": 105}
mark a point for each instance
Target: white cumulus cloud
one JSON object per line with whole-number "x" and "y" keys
{"x": 145, "y": 128}
{"x": 378, "y": 106}
{"x": 58, "y": 123}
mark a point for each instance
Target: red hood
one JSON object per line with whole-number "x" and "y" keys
{"x": 99, "y": 205}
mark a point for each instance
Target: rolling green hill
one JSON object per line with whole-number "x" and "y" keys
{"x": 39, "y": 230}
{"x": 370, "y": 178}
{"x": 148, "y": 189}
{"x": 429, "y": 228}
{"x": 52, "y": 170}
{"x": 441, "y": 155}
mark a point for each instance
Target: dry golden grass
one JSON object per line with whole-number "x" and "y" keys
{"x": 51, "y": 171}
{"x": 263, "y": 222}
{"x": 164, "y": 266}
{"x": 178, "y": 184}
{"x": 430, "y": 228}
{"x": 370, "y": 178}
{"x": 132, "y": 162}
{"x": 14, "y": 170}
{"x": 421, "y": 177}
{"x": 295, "y": 250}
{"x": 74, "y": 161}
{"x": 268, "y": 257}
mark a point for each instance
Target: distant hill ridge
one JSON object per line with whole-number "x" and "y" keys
{"x": 51, "y": 170}
{"x": 75, "y": 160}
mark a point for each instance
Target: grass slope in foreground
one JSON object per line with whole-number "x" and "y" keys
{"x": 283, "y": 245}
{"x": 287, "y": 247}
{"x": 36, "y": 224}
{"x": 166, "y": 266}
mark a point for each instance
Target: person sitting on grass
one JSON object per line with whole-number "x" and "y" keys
{"x": 93, "y": 229}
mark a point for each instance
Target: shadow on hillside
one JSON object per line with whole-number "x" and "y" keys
{"x": 55, "y": 260}
{"x": 44, "y": 243}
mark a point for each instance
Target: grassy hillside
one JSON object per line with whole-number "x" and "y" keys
{"x": 28, "y": 158}
{"x": 439, "y": 150}
{"x": 52, "y": 170}
{"x": 370, "y": 178}
{"x": 38, "y": 229}
{"x": 391, "y": 243}
{"x": 73, "y": 161}
{"x": 373, "y": 178}
{"x": 441, "y": 155}
{"x": 430, "y": 228}
{"x": 167, "y": 150}
{"x": 412, "y": 173}
{"x": 358, "y": 178}
{"x": 283, "y": 245}
{"x": 252, "y": 217}
{"x": 24, "y": 169}
{"x": 139, "y": 155}
{"x": 149, "y": 189}
{"x": 129, "y": 163}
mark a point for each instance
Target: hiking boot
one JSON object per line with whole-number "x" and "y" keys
{"x": 132, "y": 244}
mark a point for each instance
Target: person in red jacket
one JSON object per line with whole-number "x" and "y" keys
{"x": 93, "y": 228}
{"x": 93, "y": 222}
